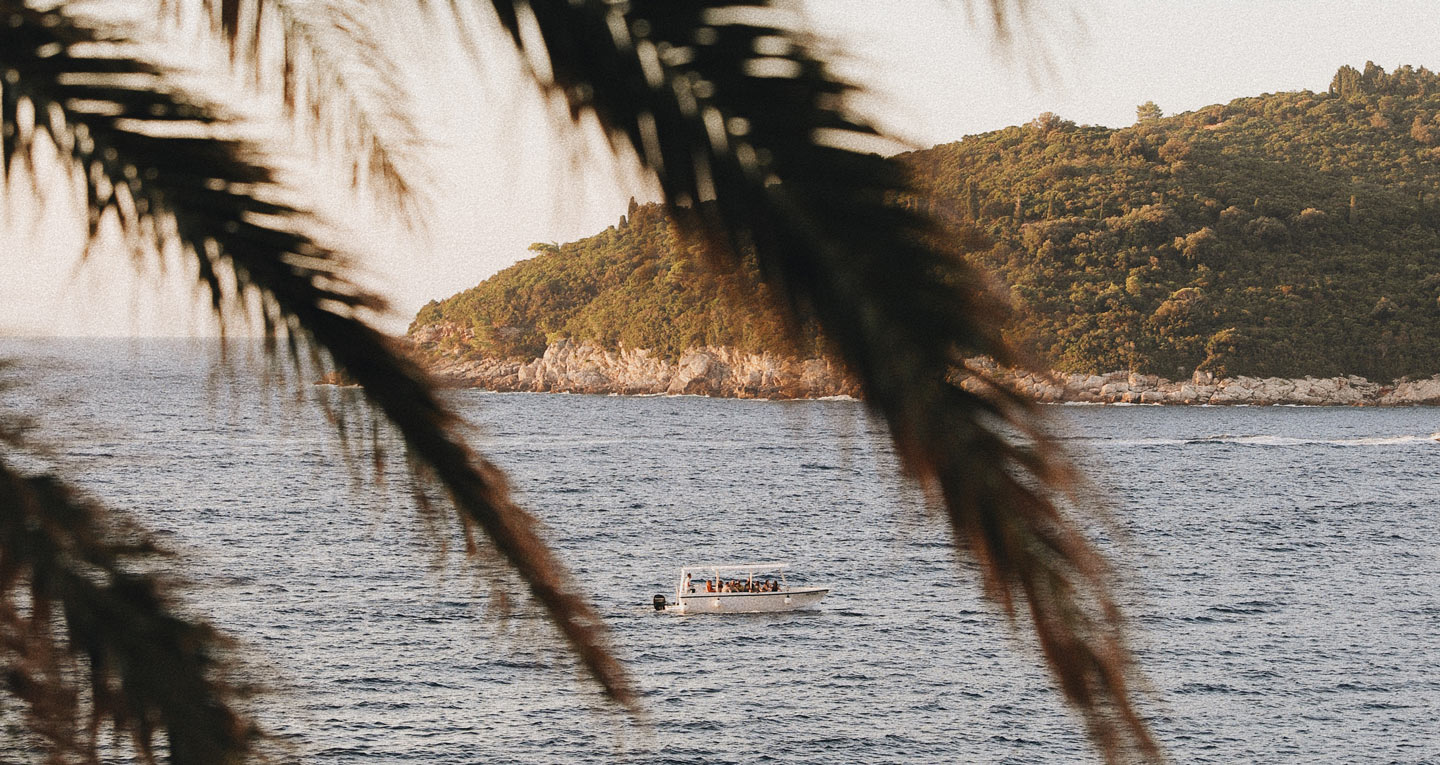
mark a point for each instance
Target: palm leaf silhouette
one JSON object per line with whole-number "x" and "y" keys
{"x": 205, "y": 192}
{"x": 749, "y": 135}
{"x": 333, "y": 77}
{"x": 90, "y": 613}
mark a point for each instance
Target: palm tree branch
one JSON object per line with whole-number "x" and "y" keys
{"x": 207, "y": 194}
{"x": 73, "y": 606}
{"x": 754, "y": 146}
{"x": 334, "y": 74}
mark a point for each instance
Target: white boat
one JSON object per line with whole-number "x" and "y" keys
{"x": 745, "y": 588}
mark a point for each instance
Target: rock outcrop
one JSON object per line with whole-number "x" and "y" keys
{"x": 571, "y": 367}
{"x": 1202, "y": 388}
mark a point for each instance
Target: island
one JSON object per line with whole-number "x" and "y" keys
{"x": 1281, "y": 248}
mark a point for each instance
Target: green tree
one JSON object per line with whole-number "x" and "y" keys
{"x": 821, "y": 222}
{"x": 1147, "y": 112}
{"x": 1346, "y": 83}
{"x": 1273, "y": 204}
{"x": 972, "y": 201}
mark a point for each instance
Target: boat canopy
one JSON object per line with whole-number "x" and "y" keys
{"x": 748, "y": 568}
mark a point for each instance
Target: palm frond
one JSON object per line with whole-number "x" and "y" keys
{"x": 333, "y": 75}
{"x": 751, "y": 139}
{"x": 86, "y": 636}
{"x": 122, "y": 130}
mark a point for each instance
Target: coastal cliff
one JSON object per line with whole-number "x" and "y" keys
{"x": 571, "y": 367}
{"x": 580, "y": 367}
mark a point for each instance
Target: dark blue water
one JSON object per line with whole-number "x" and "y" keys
{"x": 1281, "y": 571}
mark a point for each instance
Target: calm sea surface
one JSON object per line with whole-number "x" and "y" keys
{"x": 1281, "y": 571}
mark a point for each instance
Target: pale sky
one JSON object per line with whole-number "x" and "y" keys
{"x": 499, "y": 181}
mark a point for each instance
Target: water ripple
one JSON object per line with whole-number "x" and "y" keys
{"x": 1279, "y": 566}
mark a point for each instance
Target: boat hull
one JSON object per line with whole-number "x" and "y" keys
{"x": 751, "y": 602}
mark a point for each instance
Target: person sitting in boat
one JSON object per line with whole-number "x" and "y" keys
{"x": 709, "y": 586}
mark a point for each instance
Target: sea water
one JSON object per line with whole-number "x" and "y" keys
{"x": 1280, "y": 568}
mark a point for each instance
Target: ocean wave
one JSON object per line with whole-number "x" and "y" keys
{"x": 1268, "y": 440}
{"x": 1259, "y": 440}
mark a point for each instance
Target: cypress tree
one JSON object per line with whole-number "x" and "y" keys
{"x": 1346, "y": 83}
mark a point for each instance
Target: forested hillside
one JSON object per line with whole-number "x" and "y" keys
{"x": 635, "y": 284}
{"x": 1281, "y": 235}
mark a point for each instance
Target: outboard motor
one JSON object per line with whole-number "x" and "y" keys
{"x": 659, "y": 602}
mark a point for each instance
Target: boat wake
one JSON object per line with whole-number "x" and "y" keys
{"x": 1261, "y": 440}
{"x": 1257, "y": 440}
{"x": 1266, "y": 440}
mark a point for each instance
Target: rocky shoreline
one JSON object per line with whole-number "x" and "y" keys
{"x": 570, "y": 367}
{"x": 1204, "y": 389}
